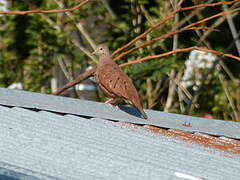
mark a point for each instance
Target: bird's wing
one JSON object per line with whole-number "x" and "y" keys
{"x": 115, "y": 81}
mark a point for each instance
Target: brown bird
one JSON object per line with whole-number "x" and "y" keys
{"x": 113, "y": 81}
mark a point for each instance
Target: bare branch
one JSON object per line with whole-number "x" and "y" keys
{"x": 179, "y": 51}
{"x": 172, "y": 74}
{"x": 209, "y": 5}
{"x": 83, "y": 49}
{"x": 171, "y": 91}
{"x": 47, "y": 11}
{"x": 217, "y": 23}
{"x": 109, "y": 9}
{"x": 232, "y": 28}
{"x": 81, "y": 77}
{"x": 229, "y": 97}
{"x": 214, "y": 16}
{"x": 164, "y": 36}
{"x": 64, "y": 69}
{"x": 180, "y": 3}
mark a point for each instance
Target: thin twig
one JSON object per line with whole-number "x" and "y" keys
{"x": 217, "y": 23}
{"x": 81, "y": 77}
{"x": 149, "y": 94}
{"x": 172, "y": 74}
{"x": 209, "y": 5}
{"x": 182, "y": 88}
{"x": 232, "y": 28}
{"x": 64, "y": 69}
{"x": 229, "y": 97}
{"x": 180, "y": 3}
{"x": 214, "y": 16}
{"x": 146, "y": 14}
{"x": 86, "y": 35}
{"x": 171, "y": 91}
{"x": 164, "y": 36}
{"x": 238, "y": 98}
{"x": 47, "y": 11}
{"x": 178, "y": 51}
{"x": 109, "y": 9}
{"x": 228, "y": 71}
{"x": 50, "y": 22}
{"x": 83, "y": 49}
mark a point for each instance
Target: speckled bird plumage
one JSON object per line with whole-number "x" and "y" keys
{"x": 113, "y": 81}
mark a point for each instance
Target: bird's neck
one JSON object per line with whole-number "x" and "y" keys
{"x": 104, "y": 59}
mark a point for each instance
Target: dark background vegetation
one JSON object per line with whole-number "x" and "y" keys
{"x": 37, "y": 48}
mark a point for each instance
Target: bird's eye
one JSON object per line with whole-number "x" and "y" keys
{"x": 101, "y": 48}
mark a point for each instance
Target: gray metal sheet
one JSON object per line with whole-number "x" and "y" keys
{"x": 10, "y": 172}
{"x": 128, "y": 114}
{"x": 71, "y": 147}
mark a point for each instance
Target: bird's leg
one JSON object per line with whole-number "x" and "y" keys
{"x": 110, "y": 101}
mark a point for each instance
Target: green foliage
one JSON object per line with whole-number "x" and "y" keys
{"x": 30, "y": 46}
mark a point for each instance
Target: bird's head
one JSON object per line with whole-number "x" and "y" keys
{"x": 101, "y": 50}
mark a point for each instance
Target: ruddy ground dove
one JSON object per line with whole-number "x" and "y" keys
{"x": 113, "y": 81}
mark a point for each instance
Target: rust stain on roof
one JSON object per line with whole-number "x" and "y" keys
{"x": 221, "y": 143}
{"x": 224, "y": 144}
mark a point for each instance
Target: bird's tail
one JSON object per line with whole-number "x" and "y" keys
{"x": 143, "y": 113}
{"x": 139, "y": 107}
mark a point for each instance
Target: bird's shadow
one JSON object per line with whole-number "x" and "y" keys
{"x": 131, "y": 110}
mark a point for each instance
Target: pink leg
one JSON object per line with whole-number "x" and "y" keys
{"x": 110, "y": 101}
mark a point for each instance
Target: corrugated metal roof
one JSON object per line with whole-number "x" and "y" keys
{"x": 51, "y": 141}
{"x": 126, "y": 114}
{"x": 72, "y": 147}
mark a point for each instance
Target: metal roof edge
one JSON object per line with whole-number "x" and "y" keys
{"x": 10, "y": 97}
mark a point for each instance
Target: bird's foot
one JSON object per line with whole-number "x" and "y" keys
{"x": 111, "y": 105}
{"x": 110, "y": 101}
